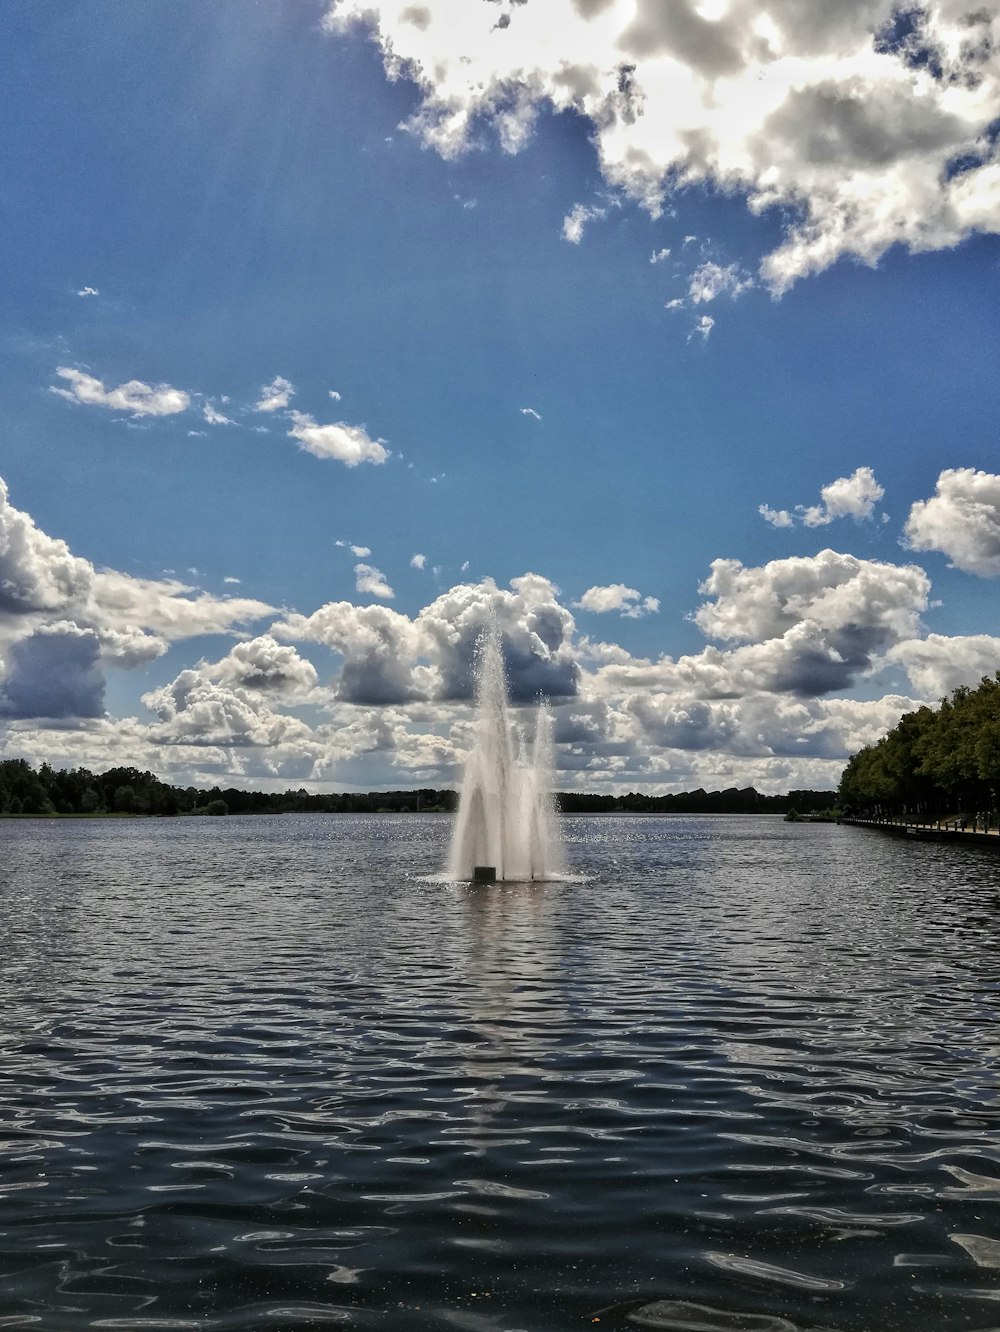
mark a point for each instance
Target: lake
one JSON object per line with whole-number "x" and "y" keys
{"x": 266, "y": 1073}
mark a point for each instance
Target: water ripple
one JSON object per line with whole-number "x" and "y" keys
{"x": 736, "y": 1076}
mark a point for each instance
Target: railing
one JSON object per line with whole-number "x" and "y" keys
{"x": 978, "y": 825}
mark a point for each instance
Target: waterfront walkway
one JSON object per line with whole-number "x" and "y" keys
{"x": 942, "y": 830}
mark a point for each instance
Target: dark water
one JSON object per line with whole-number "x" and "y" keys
{"x": 259, "y": 1074}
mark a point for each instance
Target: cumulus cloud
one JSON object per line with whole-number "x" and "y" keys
{"x": 536, "y": 630}
{"x": 359, "y": 552}
{"x": 938, "y": 664}
{"x": 389, "y": 658}
{"x": 756, "y": 705}
{"x": 702, "y": 329}
{"x": 214, "y": 417}
{"x": 135, "y": 397}
{"x": 811, "y": 624}
{"x": 194, "y": 710}
{"x": 853, "y": 496}
{"x": 418, "y": 561}
{"x": 129, "y": 646}
{"x": 961, "y": 520}
{"x": 530, "y": 411}
{"x": 38, "y": 573}
{"x": 379, "y": 646}
{"x": 831, "y": 589}
{"x": 658, "y": 256}
{"x": 371, "y": 582}
{"x": 765, "y": 726}
{"x": 54, "y": 674}
{"x": 776, "y": 517}
{"x": 274, "y": 396}
{"x": 713, "y": 280}
{"x": 859, "y": 125}
{"x": 88, "y": 291}
{"x": 265, "y": 666}
{"x": 576, "y": 220}
{"x": 617, "y": 597}
{"x": 43, "y": 583}
{"x": 349, "y": 444}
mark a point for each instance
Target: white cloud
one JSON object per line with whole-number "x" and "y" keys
{"x": 617, "y": 597}
{"x": 702, "y": 329}
{"x": 961, "y": 520}
{"x": 88, "y": 291}
{"x": 334, "y": 394}
{"x": 766, "y": 726}
{"x": 371, "y": 581}
{"x": 833, "y": 590}
{"x": 577, "y": 218}
{"x": 195, "y": 710}
{"x": 389, "y": 658}
{"x": 712, "y": 280}
{"x": 845, "y": 121}
{"x": 230, "y": 579}
{"x": 167, "y": 606}
{"x": 275, "y": 395}
{"x": 853, "y": 496}
{"x": 397, "y": 708}
{"x": 214, "y": 417}
{"x": 759, "y": 706}
{"x": 658, "y": 256}
{"x": 675, "y": 304}
{"x": 136, "y": 397}
{"x": 776, "y": 517}
{"x": 265, "y": 665}
{"x": 348, "y": 444}
{"x": 537, "y": 630}
{"x": 418, "y": 561}
{"x": 38, "y": 573}
{"x": 811, "y": 625}
{"x": 530, "y": 411}
{"x": 359, "y": 552}
{"x": 62, "y": 621}
{"x": 129, "y": 646}
{"x": 380, "y": 648}
{"x": 938, "y": 664}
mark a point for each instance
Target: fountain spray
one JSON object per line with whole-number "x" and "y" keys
{"x": 507, "y": 819}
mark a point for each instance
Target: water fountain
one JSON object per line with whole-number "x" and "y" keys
{"x": 507, "y": 819}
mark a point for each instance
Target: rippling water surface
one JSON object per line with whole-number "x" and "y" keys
{"x": 264, "y": 1074}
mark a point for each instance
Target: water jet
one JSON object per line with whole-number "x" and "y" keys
{"x": 507, "y": 820}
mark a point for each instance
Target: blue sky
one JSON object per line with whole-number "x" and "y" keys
{"x": 562, "y": 289}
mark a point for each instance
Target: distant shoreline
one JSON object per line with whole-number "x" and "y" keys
{"x": 430, "y": 813}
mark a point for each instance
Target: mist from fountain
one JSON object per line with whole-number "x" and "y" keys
{"x": 506, "y": 815}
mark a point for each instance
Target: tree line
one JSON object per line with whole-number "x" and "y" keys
{"x": 128, "y": 791}
{"x": 936, "y": 763}
{"x": 23, "y": 790}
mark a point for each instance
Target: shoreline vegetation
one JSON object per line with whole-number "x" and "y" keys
{"x": 26, "y": 792}
{"x": 937, "y": 766}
